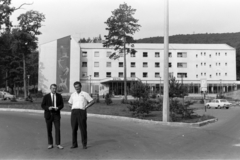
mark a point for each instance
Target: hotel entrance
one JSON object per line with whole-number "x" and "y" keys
{"x": 116, "y": 85}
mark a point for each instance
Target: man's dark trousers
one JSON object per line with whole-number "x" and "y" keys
{"x": 56, "y": 121}
{"x": 79, "y": 119}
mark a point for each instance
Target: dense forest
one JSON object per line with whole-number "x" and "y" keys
{"x": 232, "y": 39}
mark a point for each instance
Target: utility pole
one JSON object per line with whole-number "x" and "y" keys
{"x": 166, "y": 70}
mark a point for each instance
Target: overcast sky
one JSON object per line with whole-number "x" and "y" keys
{"x": 86, "y": 17}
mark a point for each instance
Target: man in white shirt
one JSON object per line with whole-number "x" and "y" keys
{"x": 79, "y": 102}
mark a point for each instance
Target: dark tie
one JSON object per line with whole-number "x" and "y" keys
{"x": 53, "y": 101}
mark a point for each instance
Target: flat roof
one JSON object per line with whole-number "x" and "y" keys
{"x": 160, "y": 46}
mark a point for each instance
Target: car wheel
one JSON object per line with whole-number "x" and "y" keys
{"x": 227, "y": 107}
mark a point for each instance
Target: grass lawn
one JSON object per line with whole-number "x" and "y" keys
{"x": 115, "y": 109}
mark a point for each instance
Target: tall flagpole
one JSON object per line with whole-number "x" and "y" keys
{"x": 166, "y": 72}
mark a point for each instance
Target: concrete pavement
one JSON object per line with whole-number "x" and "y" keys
{"x": 23, "y": 136}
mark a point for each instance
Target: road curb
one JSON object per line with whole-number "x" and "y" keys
{"x": 180, "y": 124}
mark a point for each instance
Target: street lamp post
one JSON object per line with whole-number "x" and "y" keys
{"x": 160, "y": 87}
{"x": 221, "y": 86}
{"x": 90, "y": 85}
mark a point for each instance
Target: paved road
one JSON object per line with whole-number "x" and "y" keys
{"x": 23, "y": 136}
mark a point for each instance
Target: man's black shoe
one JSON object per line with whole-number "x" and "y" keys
{"x": 84, "y": 147}
{"x": 74, "y": 147}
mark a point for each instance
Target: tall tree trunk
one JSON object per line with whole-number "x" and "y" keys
{"x": 6, "y": 88}
{"x": 24, "y": 76}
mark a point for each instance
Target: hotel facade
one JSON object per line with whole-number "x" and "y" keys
{"x": 64, "y": 61}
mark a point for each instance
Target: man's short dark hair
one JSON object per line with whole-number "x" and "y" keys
{"x": 77, "y": 83}
{"x": 53, "y": 85}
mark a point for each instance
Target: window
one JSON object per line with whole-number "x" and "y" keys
{"x": 108, "y": 53}
{"x": 219, "y": 74}
{"x": 210, "y": 76}
{"x": 210, "y": 65}
{"x": 204, "y": 74}
{"x": 204, "y": 64}
{"x": 145, "y": 54}
{"x": 133, "y": 54}
{"x": 96, "y": 54}
{"x": 196, "y": 76}
{"x": 96, "y": 64}
{"x": 96, "y": 74}
{"x": 216, "y": 74}
{"x": 120, "y": 74}
{"x": 157, "y": 65}
{"x": 196, "y": 55}
{"x": 201, "y": 64}
{"x": 210, "y": 55}
{"x": 170, "y": 54}
{"x": 169, "y": 65}
{"x": 120, "y": 64}
{"x": 157, "y": 75}
{"x": 182, "y": 65}
{"x": 201, "y": 53}
{"x": 145, "y": 74}
{"x": 225, "y": 64}
{"x": 145, "y": 64}
{"x": 216, "y": 64}
{"x": 170, "y": 74}
{"x": 225, "y": 53}
{"x": 219, "y": 54}
{"x": 133, "y": 64}
{"x": 133, "y": 74}
{"x": 157, "y": 54}
{"x": 182, "y": 75}
{"x": 201, "y": 74}
{"x": 225, "y": 74}
{"x": 84, "y": 64}
{"x": 108, "y": 74}
{"x": 84, "y": 74}
{"x": 182, "y": 54}
{"x": 219, "y": 64}
{"x": 84, "y": 54}
{"x": 216, "y": 53}
{"x": 204, "y": 53}
{"x": 196, "y": 66}
{"x": 109, "y": 64}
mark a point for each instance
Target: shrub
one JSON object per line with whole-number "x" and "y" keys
{"x": 182, "y": 109}
{"x": 140, "y": 108}
{"x": 157, "y": 105}
{"x": 108, "y": 99}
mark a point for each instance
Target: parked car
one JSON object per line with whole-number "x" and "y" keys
{"x": 218, "y": 103}
{"x": 5, "y": 95}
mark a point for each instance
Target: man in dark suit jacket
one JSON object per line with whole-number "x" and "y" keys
{"x": 52, "y": 104}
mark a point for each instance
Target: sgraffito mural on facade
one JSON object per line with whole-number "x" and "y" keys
{"x": 63, "y": 64}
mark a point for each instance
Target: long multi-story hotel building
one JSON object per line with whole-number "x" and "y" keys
{"x": 64, "y": 61}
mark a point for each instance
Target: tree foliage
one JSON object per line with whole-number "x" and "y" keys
{"x": 177, "y": 89}
{"x": 121, "y": 26}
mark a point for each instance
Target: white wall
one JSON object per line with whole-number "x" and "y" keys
{"x": 74, "y": 63}
{"x": 47, "y": 66}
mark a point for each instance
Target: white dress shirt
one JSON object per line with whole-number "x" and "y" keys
{"x": 55, "y": 102}
{"x": 79, "y": 100}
